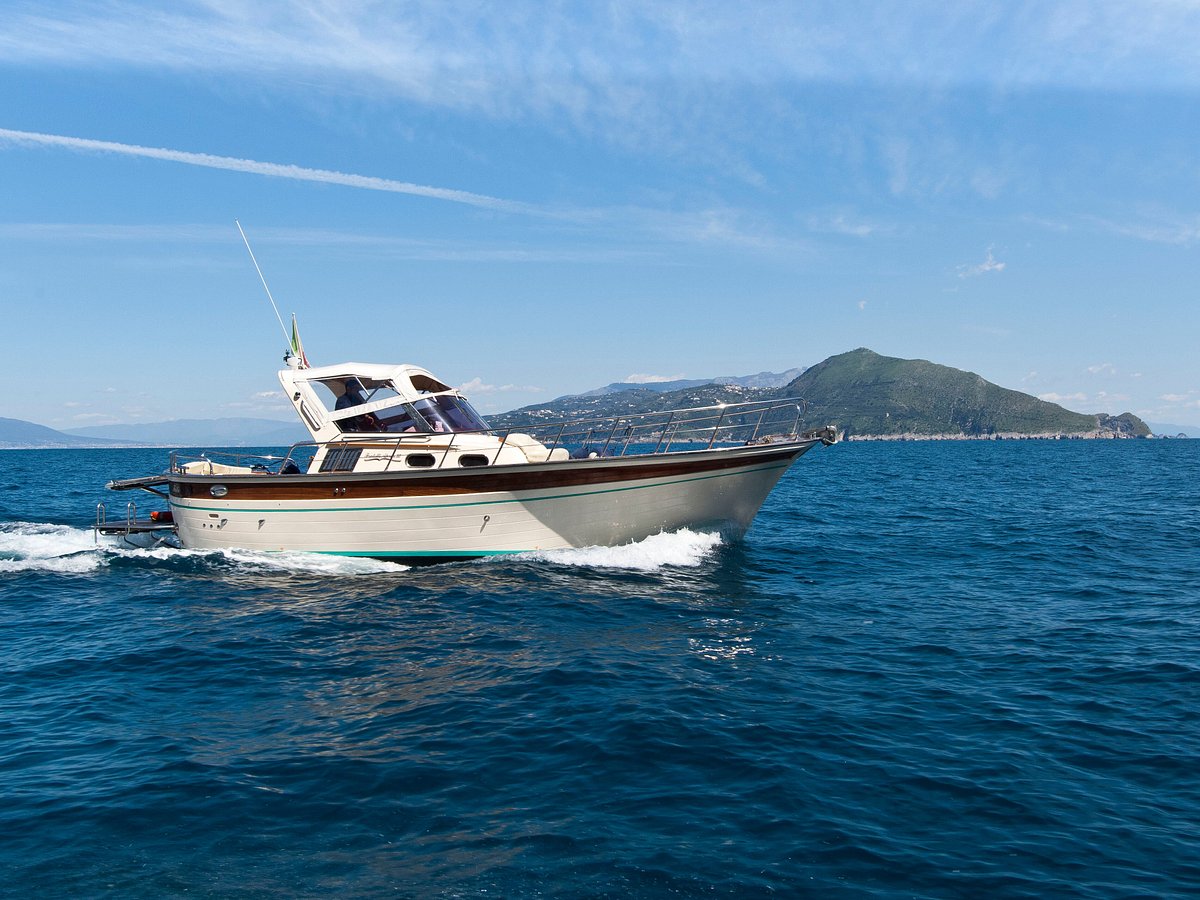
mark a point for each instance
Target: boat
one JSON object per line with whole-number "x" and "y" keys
{"x": 400, "y": 466}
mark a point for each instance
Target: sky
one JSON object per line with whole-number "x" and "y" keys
{"x": 534, "y": 199}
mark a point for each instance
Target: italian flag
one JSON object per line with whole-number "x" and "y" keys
{"x": 297, "y": 347}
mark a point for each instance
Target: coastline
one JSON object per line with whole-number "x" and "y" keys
{"x": 1002, "y": 436}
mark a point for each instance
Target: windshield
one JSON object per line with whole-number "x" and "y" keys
{"x": 446, "y": 412}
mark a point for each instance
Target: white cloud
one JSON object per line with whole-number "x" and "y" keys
{"x": 1179, "y": 402}
{"x": 81, "y": 231}
{"x": 988, "y": 183}
{"x": 862, "y": 304}
{"x": 1064, "y": 398}
{"x": 990, "y": 264}
{"x": 678, "y": 76}
{"x": 723, "y": 226}
{"x": 841, "y": 223}
{"x": 479, "y": 386}
{"x": 1177, "y": 230}
{"x": 1103, "y": 369}
{"x": 652, "y": 379}
{"x": 497, "y": 52}
{"x": 1030, "y": 377}
{"x": 1161, "y": 228}
{"x": 256, "y": 167}
{"x": 715, "y": 225}
{"x": 1048, "y": 224}
{"x": 383, "y": 245}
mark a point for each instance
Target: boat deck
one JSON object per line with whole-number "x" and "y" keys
{"x": 137, "y": 526}
{"x": 141, "y": 531}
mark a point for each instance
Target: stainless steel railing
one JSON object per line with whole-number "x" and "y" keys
{"x": 635, "y": 434}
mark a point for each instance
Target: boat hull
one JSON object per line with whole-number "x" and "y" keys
{"x": 452, "y": 514}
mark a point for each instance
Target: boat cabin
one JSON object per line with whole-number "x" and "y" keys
{"x": 388, "y": 417}
{"x": 363, "y": 398}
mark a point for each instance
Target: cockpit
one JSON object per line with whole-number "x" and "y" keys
{"x": 360, "y": 404}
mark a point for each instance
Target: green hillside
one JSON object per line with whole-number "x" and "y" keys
{"x": 869, "y": 394}
{"x": 865, "y": 394}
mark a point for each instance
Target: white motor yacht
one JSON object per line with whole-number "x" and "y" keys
{"x": 400, "y": 466}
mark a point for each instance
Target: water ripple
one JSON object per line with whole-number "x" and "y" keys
{"x": 929, "y": 670}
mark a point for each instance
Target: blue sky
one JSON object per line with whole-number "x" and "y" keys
{"x": 534, "y": 199}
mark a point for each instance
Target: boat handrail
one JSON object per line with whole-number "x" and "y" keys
{"x": 632, "y": 434}
{"x": 265, "y": 462}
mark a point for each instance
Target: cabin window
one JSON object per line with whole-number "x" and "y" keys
{"x": 341, "y": 459}
{"x": 359, "y": 424}
{"x": 427, "y": 385}
{"x": 446, "y": 412}
{"x": 345, "y": 391}
{"x": 472, "y": 460}
{"x": 420, "y": 460}
{"x": 343, "y": 397}
{"x": 399, "y": 420}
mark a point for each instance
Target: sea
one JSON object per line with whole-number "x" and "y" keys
{"x": 934, "y": 669}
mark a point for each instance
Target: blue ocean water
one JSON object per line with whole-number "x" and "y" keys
{"x": 929, "y": 670}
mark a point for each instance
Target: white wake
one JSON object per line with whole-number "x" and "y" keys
{"x": 37, "y": 546}
{"x": 672, "y": 548}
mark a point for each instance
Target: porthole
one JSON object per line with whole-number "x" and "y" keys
{"x": 471, "y": 460}
{"x": 218, "y": 490}
{"x": 420, "y": 460}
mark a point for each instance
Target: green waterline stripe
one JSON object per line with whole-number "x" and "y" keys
{"x": 341, "y": 509}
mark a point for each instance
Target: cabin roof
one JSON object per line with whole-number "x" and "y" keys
{"x": 410, "y": 381}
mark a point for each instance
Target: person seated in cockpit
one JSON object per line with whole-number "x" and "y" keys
{"x": 353, "y": 396}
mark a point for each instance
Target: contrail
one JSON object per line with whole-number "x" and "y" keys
{"x": 255, "y": 167}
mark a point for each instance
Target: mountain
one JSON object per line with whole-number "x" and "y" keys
{"x": 228, "y": 432}
{"x": 761, "y": 380}
{"x": 1163, "y": 428}
{"x": 19, "y": 434}
{"x": 867, "y": 395}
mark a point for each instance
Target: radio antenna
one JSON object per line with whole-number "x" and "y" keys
{"x": 287, "y": 337}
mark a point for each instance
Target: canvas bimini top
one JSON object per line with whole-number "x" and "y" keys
{"x": 366, "y": 398}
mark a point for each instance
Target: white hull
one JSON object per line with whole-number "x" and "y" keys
{"x": 611, "y": 502}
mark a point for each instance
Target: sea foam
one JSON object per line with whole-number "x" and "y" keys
{"x": 283, "y": 561}
{"x": 670, "y": 548}
{"x": 39, "y": 546}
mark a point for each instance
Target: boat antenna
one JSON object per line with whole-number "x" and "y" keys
{"x": 287, "y": 337}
